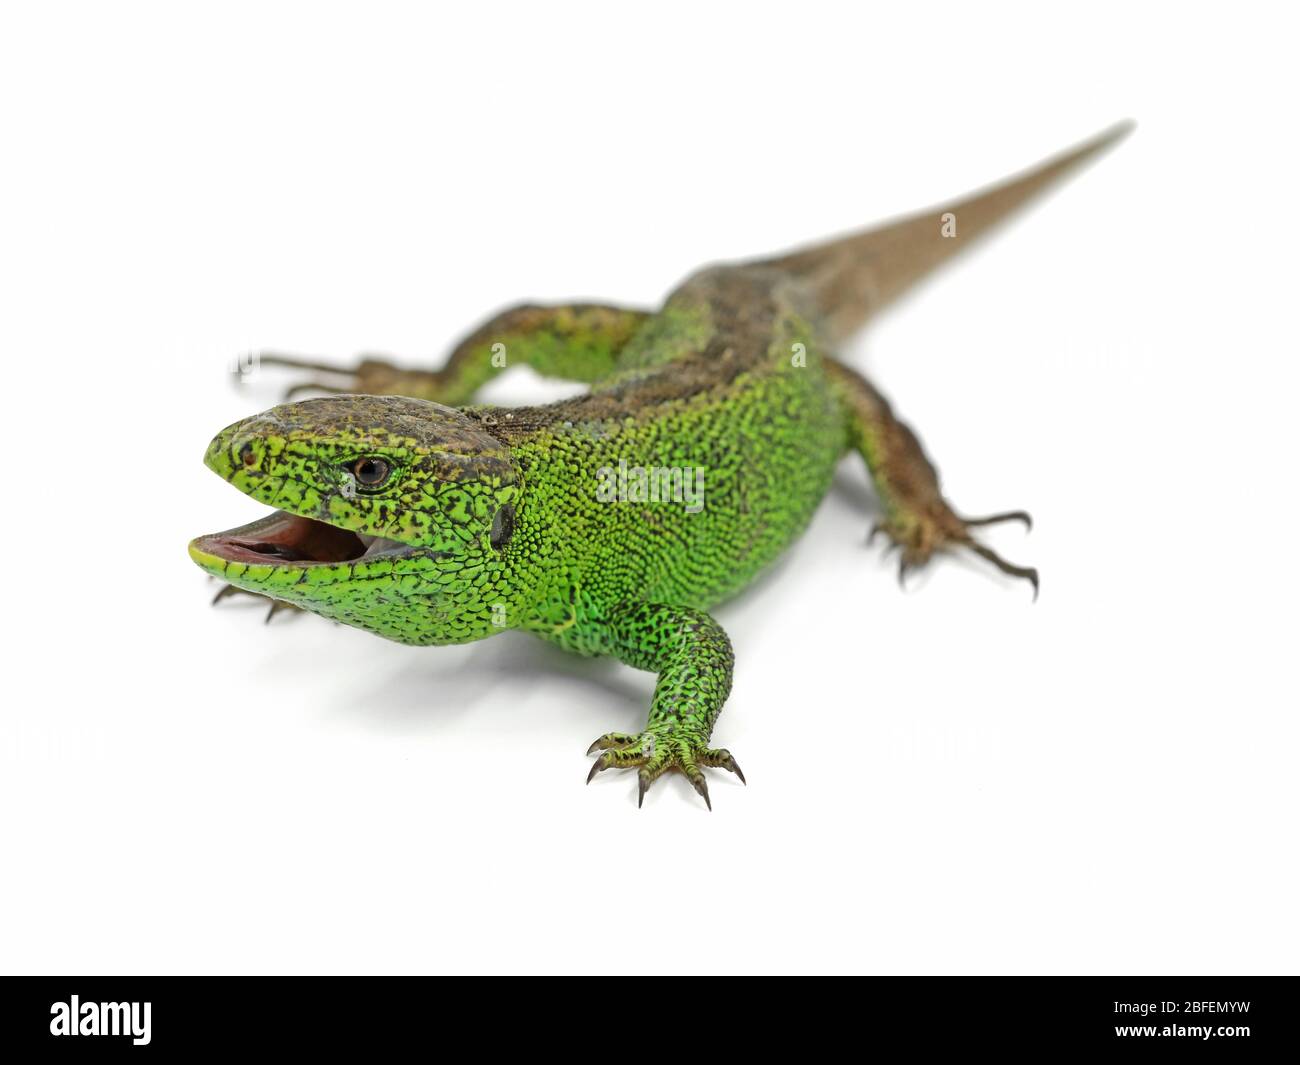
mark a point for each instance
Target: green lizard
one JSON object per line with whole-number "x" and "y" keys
{"x": 609, "y": 523}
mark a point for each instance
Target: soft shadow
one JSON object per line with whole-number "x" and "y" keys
{"x": 422, "y": 694}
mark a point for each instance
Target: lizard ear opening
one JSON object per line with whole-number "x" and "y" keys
{"x": 503, "y": 524}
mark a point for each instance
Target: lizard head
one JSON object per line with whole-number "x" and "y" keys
{"x": 392, "y": 514}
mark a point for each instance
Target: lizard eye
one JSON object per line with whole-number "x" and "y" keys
{"x": 371, "y": 472}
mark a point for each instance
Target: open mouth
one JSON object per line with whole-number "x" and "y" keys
{"x": 284, "y": 539}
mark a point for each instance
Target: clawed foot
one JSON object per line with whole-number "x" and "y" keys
{"x": 370, "y": 377}
{"x": 653, "y": 753}
{"x": 919, "y": 535}
{"x": 275, "y": 605}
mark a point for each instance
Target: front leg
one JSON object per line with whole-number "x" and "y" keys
{"x": 576, "y": 342}
{"x": 693, "y": 658}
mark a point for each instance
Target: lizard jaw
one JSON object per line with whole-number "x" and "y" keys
{"x": 285, "y": 539}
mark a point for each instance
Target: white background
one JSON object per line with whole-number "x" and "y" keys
{"x": 942, "y": 779}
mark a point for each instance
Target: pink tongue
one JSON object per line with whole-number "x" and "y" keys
{"x": 289, "y": 538}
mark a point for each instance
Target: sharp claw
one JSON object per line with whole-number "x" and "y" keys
{"x": 1026, "y": 573}
{"x": 722, "y": 759}
{"x": 702, "y": 786}
{"x": 902, "y": 572}
{"x": 612, "y": 741}
{"x": 1021, "y": 516}
{"x": 642, "y": 786}
{"x": 596, "y": 767}
{"x": 226, "y": 591}
{"x": 277, "y": 605}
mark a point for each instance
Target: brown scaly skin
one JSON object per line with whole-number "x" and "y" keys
{"x": 428, "y": 522}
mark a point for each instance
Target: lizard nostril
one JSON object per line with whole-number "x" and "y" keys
{"x": 246, "y": 455}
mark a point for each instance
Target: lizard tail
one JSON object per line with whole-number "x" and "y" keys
{"x": 852, "y": 278}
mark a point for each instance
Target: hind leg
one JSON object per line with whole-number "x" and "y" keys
{"x": 918, "y": 519}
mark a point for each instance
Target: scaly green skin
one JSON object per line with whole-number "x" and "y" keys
{"x": 497, "y": 514}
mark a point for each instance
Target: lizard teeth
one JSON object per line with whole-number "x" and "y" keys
{"x": 376, "y": 545}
